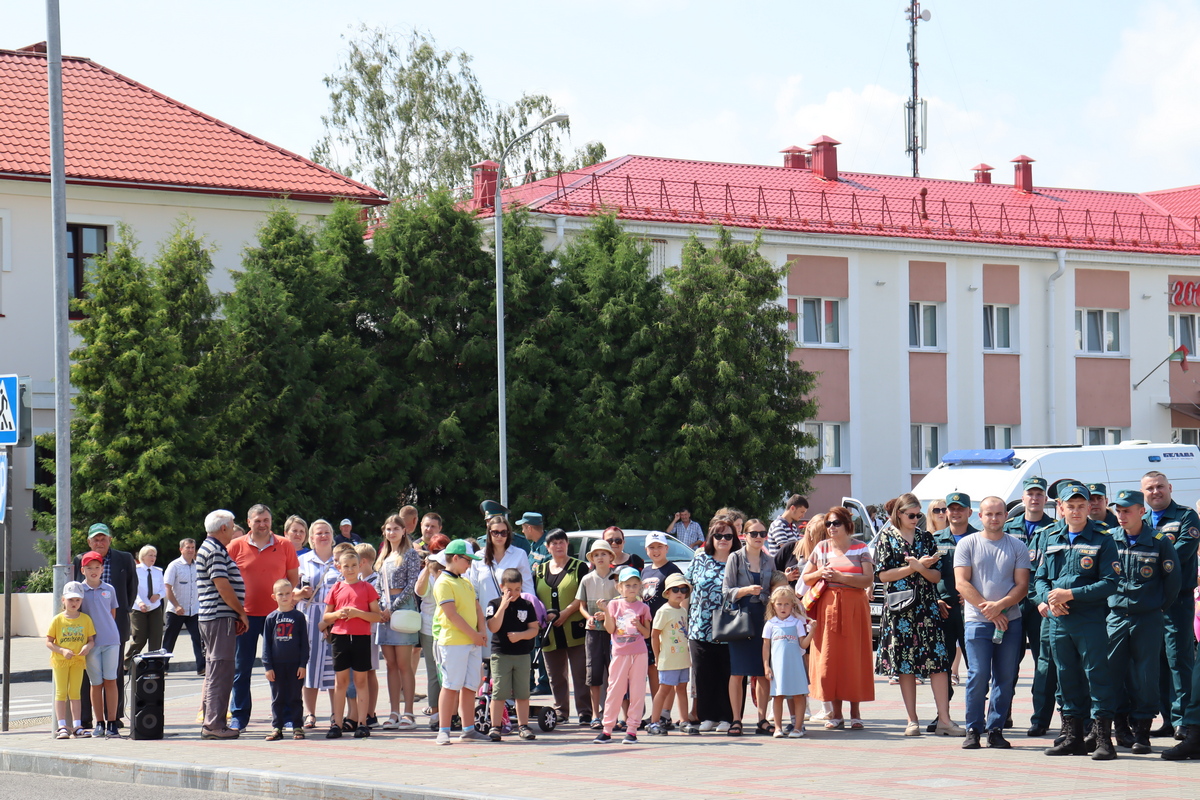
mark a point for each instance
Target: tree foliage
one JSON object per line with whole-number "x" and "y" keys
{"x": 408, "y": 118}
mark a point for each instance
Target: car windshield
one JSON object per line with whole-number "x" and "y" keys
{"x": 635, "y": 544}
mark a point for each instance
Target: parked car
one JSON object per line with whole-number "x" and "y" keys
{"x": 864, "y": 530}
{"x": 635, "y": 544}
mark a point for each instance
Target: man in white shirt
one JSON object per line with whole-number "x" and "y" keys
{"x": 183, "y": 604}
{"x": 146, "y": 616}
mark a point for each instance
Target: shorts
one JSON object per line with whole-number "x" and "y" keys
{"x": 351, "y": 651}
{"x": 598, "y": 648}
{"x": 68, "y": 677}
{"x": 102, "y": 664}
{"x": 510, "y": 676}
{"x": 649, "y": 654}
{"x": 460, "y": 666}
{"x": 674, "y": 677}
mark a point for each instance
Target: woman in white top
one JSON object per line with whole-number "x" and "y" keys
{"x": 146, "y": 616}
{"x": 398, "y": 565}
{"x": 498, "y": 555}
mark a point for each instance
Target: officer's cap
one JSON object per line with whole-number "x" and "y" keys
{"x": 962, "y": 498}
{"x": 1098, "y": 489}
{"x": 1058, "y": 485}
{"x": 1069, "y": 489}
{"x": 1129, "y": 497}
{"x": 1034, "y": 482}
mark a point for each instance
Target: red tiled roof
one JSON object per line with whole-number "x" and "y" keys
{"x": 779, "y": 198}
{"x": 119, "y": 132}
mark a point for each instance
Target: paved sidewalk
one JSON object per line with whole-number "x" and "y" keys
{"x": 878, "y": 762}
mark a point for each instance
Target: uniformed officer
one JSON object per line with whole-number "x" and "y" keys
{"x": 1028, "y": 528}
{"x": 1098, "y": 506}
{"x": 1181, "y": 525}
{"x": 1148, "y": 585}
{"x": 958, "y": 512}
{"x": 1077, "y": 574}
{"x": 533, "y": 529}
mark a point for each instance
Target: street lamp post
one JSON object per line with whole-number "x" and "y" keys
{"x": 498, "y": 213}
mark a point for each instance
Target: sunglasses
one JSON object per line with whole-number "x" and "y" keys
{"x": 833, "y": 523}
{"x": 912, "y": 516}
{"x": 680, "y": 589}
{"x": 938, "y": 510}
{"x": 756, "y": 534}
{"x": 615, "y": 541}
{"x": 725, "y": 537}
{"x": 499, "y": 532}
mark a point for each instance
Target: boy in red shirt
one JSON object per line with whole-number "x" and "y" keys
{"x": 351, "y": 606}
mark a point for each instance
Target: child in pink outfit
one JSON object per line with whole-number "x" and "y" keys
{"x": 628, "y": 622}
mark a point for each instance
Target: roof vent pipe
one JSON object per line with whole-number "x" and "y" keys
{"x": 483, "y": 190}
{"x": 824, "y": 157}
{"x": 794, "y": 157}
{"x": 1023, "y": 177}
{"x": 983, "y": 172}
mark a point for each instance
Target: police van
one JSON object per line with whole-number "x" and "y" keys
{"x": 981, "y": 473}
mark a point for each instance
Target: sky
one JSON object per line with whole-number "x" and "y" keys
{"x": 1102, "y": 94}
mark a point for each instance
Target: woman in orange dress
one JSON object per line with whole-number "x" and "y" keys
{"x": 840, "y": 658}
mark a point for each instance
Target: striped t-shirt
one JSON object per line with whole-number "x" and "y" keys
{"x": 213, "y": 561}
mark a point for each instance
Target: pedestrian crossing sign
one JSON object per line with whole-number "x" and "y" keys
{"x": 10, "y": 428}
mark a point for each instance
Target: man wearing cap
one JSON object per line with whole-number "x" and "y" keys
{"x": 120, "y": 572}
{"x": 1181, "y": 525}
{"x": 222, "y": 618}
{"x": 1029, "y": 528}
{"x": 1098, "y": 506}
{"x": 958, "y": 511}
{"x": 458, "y": 621}
{"x": 533, "y": 528}
{"x": 1148, "y": 584}
{"x": 786, "y": 530}
{"x": 262, "y": 558}
{"x": 686, "y": 529}
{"x": 1078, "y": 572}
{"x": 346, "y": 534}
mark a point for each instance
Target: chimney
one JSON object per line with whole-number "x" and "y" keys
{"x": 824, "y": 158}
{"x": 983, "y": 172}
{"x": 39, "y": 47}
{"x": 1023, "y": 178}
{"x": 483, "y": 192}
{"x": 794, "y": 157}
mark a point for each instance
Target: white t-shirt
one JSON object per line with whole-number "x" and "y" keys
{"x": 993, "y": 564}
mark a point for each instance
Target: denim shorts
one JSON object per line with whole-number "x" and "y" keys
{"x": 674, "y": 677}
{"x": 102, "y": 664}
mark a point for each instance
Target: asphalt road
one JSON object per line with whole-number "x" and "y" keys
{"x": 34, "y": 700}
{"x": 47, "y": 787}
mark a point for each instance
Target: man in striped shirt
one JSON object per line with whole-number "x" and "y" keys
{"x": 222, "y": 618}
{"x": 785, "y": 531}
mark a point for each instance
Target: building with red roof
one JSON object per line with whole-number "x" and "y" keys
{"x": 136, "y": 157}
{"x": 940, "y": 314}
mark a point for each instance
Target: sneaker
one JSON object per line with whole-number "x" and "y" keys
{"x": 456, "y": 723}
{"x": 585, "y": 720}
{"x": 443, "y": 737}
{"x": 798, "y": 733}
{"x": 224, "y": 733}
{"x": 723, "y": 727}
{"x": 789, "y": 727}
{"x": 494, "y": 734}
{"x": 707, "y": 726}
{"x": 362, "y": 732}
{"x": 275, "y": 735}
{"x": 630, "y": 738}
{"x": 334, "y": 732}
{"x": 971, "y": 740}
{"x": 655, "y": 729}
{"x": 603, "y": 738}
{"x": 236, "y": 724}
{"x": 98, "y": 731}
{"x": 472, "y": 734}
{"x": 691, "y": 729}
{"x": 526, "y": 733}
{"x": 113, "y": 732}
{"x": 779, "y": 734}
{"x": 995, "y": 738}
{"x": 372, "y": 721}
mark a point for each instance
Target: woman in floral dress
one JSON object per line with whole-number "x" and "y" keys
{"x": 911, "y": 641}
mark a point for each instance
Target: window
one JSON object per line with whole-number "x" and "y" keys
{"x": 1186, "y": 436}
{"x": 828, "y": 448}
{"x": 926, "y": 447}
{"x": 923, "y": 325}
{"x": 997, "y": 437}
{"x": 1097, "y": 331}
{"x": 84, "y": 243}
{"x": 658, "y": 256}
{"x": 1095, "y": 436}
{"x": 1182, "y": 328}
{"x": 997, "y": 332}
{"x": 815, "y": 321}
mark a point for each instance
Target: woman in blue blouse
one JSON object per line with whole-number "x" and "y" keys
{"x": 710, "y": 659}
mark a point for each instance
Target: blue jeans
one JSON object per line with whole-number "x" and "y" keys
{"x": 247, "y": 649}
{"x": 991, "y": 663}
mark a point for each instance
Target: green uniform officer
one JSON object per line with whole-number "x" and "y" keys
{"x": 1028, "y": 528}
{"x": 1077, "y": 574}
{"x": 1181, "y": 525}
{"x": 958, "y": 511}
{"x": 533, "y": 529}
{"x": 1098, "y": 506}
{"x": 1148, "y": 584}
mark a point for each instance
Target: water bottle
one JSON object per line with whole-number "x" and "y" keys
{"x": 997, "y": 635}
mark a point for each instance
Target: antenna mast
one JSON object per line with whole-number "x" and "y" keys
{"x": 916, "y": 110}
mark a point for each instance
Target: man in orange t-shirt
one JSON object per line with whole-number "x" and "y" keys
{"x": 263, "y": 558}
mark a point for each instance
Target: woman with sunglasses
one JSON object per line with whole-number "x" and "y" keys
{"x": 499, "y": 554}
{"x": 911, "y": 639}
{"x": 935, "y": 516}
{"x": 840, "y": 653}
{"x": 747, "y": 585}
{"x": 710, "y": 658}
{"x": 616, "y": 540}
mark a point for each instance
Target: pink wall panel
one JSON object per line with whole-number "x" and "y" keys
{"x": 1101, "y": 288}
{"x": 1001, "y": 284}
{"x": 833, "y": 384}
{"x": 927, "y": 281}
{"x": 828, "y": 491}
{"x": 818, "y": 276}
{"x": 1001, "y": 389}
{"x": 1102, "y": 393}
{"x": 927, "y": 387}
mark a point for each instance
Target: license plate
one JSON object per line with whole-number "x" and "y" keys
{"x": 876, "y": 609}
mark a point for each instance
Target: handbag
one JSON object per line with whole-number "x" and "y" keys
{"x": 405, "y": 620}
{"x": 737, "y": 623}
{"x": 812, "y": 597}
{"x": 900, "y": 601}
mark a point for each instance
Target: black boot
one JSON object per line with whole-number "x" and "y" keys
{"x": 1072, "y": 743}
{"x": 1141, "y": 736}
{"x": 1164, "y": 731}
{"x": 1104, "y": 745}
{"x": 1089, "y": 739}
{"x": 1188, "y": 748}
{"x": 1062, "y": 733}
{"x": 1122, "y": 732}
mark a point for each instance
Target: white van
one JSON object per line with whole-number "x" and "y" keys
{"x": 981, "y": 473}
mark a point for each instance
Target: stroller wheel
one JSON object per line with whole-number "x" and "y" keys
{"x": 481, "y": 715}
{"x": 547, "y": 720}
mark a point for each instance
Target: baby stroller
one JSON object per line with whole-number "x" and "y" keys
{"x": 544, "y": 716}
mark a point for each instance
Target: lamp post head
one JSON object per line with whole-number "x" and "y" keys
{"x": 550, "y": 120}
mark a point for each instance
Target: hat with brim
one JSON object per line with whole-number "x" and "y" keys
{"x": 656, "y": 538}
{"x": 1098, "y": 489}
{"x": 676, "y": 579}
{"x": 531, "y": 518}
{"x": 960, "y": 498}
{"x": 1060, "y": 484}
{"x": 459, "y": 547}
{"x": 1129, "y": 497}
{"x": 491, "y": 508}
{"x": 99, "y": 529}
{"x": 1071, "y": 489}
{"x": 90, "y": 557}
{"x": 628, "y": 574}
{"x": 600, "y": 546}
{"x": 345, "y": 522}
{"x": 1034, "y": 482}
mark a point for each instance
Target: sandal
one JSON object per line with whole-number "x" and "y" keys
{"x": 349, "y": 725}
{"x": 856, "y": 725}
{"x": 735, "y": 728}
{"x": 62, "y": 733}
{"x": 310, "y": 721}
{"x": 407, "y": 723}
{"x": 835, "y": 724}
{"x": 763, "y": 728}
{"x": 954, "y": 680}
{"x": 391, "y": 723}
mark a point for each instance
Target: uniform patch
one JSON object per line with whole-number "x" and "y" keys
{"x": 1193, "y": 533}
{"x": 1147, "y": 571}
{"x": 1087, "y": 562}
{"x": 1117, "y": 567}
{"x": 1168, "y": 566}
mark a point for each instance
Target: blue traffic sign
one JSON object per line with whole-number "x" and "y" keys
{"x": 10, "y": 423}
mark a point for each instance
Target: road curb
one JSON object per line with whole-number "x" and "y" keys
{"x": 248, "y": 782}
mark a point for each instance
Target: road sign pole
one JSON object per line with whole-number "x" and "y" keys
{"x": 8, "y": 514}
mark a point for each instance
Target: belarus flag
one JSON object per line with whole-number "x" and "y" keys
{"x": 1180, "y": 355}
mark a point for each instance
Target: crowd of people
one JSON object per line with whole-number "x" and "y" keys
{"x": 763, "y": 615}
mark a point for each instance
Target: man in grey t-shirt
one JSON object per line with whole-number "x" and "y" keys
{"x": 991, "y": 571}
